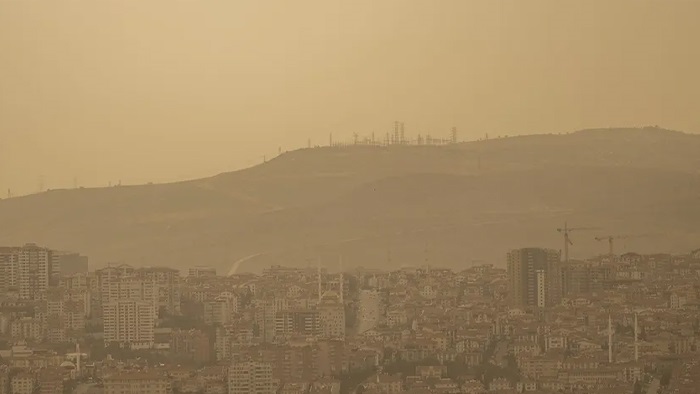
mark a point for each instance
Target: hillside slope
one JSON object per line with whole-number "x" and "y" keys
{"x": 449, "y": 205}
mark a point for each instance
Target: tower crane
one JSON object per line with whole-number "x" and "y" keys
{"x": 567, "y": 239}
{"x": 611, "y": 240}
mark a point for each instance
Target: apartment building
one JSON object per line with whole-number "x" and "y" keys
{"x": 136, "y": 383}
{"x": 25, "y": 269}
{"x": 129, "y": 322}
{"x": 534, "y": 277}
{"x": 250, "y": 378}
{"x": 332, "y": 319}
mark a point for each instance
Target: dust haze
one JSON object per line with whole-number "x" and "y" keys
{"x": 155, "y": 91}
{"x": 359, "y": 197}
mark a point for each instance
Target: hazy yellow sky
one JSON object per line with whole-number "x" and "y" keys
{"x": 161, "y": 90}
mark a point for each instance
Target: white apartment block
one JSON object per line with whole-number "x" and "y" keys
{"x": 129, "y": 322}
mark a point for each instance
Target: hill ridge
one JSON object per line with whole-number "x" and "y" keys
{"x": 468, "y": 200}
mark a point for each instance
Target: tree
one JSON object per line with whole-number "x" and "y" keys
{"x": 638, "y": 389}
{"x": 352, "y": 380}
{"x": 666, "y": 377}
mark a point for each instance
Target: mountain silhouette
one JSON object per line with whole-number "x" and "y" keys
{"x": 450, "y": 205}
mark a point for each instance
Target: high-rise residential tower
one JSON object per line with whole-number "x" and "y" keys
{"x": 534, "y": 277}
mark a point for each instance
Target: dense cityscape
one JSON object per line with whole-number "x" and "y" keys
{"x": 349, "y": 197}
{"x": 611, "y": 324}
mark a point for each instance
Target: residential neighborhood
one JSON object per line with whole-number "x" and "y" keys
{"x": 610, "y": 324}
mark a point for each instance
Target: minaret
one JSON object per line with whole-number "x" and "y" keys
{"x": 610, "y": 335}
{"x": 319, "y": 281}
{"x": 77, "y": 363}
{"x": 342, "y": 281}
{"x": 636, "y": 339}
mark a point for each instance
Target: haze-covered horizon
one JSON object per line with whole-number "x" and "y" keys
{"x": 160, "y": 91}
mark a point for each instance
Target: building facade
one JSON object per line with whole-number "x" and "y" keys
{"x": 370, "y": 309}
{"x": 251, "y": 378}
{"x": 534, "y": 277}
{"x": 136, "y": 383}
{"x": 129, "y": 322}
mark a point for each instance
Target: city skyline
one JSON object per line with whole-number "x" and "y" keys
{"x": 539, "y": 325}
